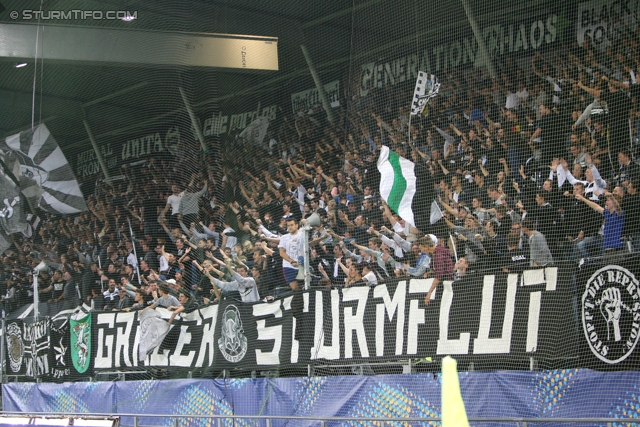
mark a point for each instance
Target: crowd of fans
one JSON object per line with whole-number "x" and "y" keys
{"x": 529, "y": 168}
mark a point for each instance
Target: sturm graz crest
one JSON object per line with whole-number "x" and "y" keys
{"x": 611, "y": 313}
{"x": 15, "y": 347}
{"x": 232, "y": 342}
{"x": 80, "y": 343}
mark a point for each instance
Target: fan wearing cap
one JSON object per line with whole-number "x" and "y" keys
{"x": 427, "y": 245}
{"x": 174, "y": 286}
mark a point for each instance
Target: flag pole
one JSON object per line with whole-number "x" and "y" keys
{"x": 453, "y": 245}
{"x": 409, "y": 131}
{"x": 36, "y": 297}
{"x": 194, "y": 119}
{"x": 135, "y": 254}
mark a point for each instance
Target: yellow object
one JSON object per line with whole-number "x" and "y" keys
{"x": 453, "y": 412}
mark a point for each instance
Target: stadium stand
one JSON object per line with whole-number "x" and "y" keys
{"x": 434, "y": 189}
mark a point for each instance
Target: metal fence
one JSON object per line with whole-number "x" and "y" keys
{"x": 135, "y": 420}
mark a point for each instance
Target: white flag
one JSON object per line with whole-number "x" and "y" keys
{"x": 436, "y": 213}
{"x": 153, "y": 329}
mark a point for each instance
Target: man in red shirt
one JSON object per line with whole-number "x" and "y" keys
{"x": 441, "y": 263}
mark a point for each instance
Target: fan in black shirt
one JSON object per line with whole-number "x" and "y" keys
{"x": 618, "y": 104}
{"x": 515, "y": 260}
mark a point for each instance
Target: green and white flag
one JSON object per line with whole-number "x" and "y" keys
{"x": 80, "y": 342}
{"x": 397, "y": 183}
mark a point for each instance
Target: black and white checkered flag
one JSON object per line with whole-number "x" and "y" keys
{"x": 427, "y": 87}
{"x": 46, "y": 178}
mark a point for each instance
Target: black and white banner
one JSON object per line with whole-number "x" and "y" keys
{"x": 609, "y": 304}
{"x": 27, "y": 347}
{"x": 60, "y": 363}
{"x": 46, "y": 178}
{"x": 306, "y": 100}
{"x": 508, "y": 315}
{"x": 603, "y": 21}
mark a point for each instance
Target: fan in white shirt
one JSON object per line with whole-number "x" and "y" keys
{"x": 369, "y": 275}
{"x": 291, "y": 248}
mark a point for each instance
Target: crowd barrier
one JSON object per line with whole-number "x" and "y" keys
{"x": 502, "y": 398}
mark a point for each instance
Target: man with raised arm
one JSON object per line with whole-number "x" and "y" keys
{"x": 291, "y": 249}
{"x": 189, "y": 206}
{"x": 173, "y": 202}
{"x": 242, "y": 282}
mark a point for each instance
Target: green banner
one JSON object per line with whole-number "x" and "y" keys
{"x": 81, "y": 343}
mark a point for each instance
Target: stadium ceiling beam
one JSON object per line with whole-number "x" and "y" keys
{"x": 507, "y": 11}
{"x": 281, "y": 15}
{"x": 498, "y": 12}
{"x": 18, "y": 41}
{"x": 340, "y": 13}
{"x": 22, "y": 100}
{"x": 64, "y": 107}
{"x": 482, "y": 48}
